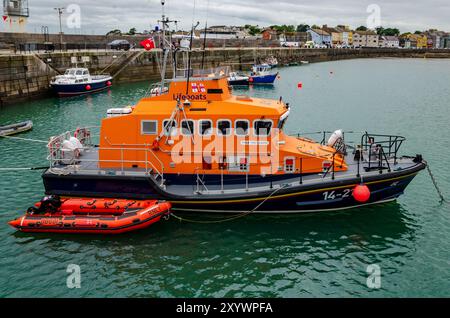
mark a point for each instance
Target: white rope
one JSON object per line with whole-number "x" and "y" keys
{"x": 25, "y": 139}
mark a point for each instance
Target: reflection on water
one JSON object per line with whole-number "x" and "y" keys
{"x": 324, "y": 254}
{"x": 196, "y": 260}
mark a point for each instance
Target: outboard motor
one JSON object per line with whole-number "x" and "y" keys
{"x": 50, "y": 203}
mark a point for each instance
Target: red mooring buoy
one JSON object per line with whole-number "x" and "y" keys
{"x": 88, "y": 87}
{"x": 361, "y": 193}
{"x": 108, "y": 83}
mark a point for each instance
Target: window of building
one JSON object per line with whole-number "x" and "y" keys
{"x": 223, "y": 127}
{"x": 262, "y": 127}
{"x": 149, "y": 127}
{"x": 187, "y": 127}
{"x": 205, "y": 126}
{"x": 241, "y": 127}
{"x": 170, "y": 127}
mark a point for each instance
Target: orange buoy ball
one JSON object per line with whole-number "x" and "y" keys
{"x": 88, "y": 87}
{"x": 361, "y": 193}
{"x": 250, "y": 79}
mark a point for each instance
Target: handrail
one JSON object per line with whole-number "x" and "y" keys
{"x": 146, "y": 147}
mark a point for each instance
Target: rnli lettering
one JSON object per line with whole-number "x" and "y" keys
{"x": 189, "y": 97}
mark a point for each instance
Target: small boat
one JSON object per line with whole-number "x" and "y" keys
{"x": 261, "y": 75}
{"x": 272, "y": 62}
{"x": 236, "y": 79}
{"x": 78, "y": 81}
{"x": 90, "y": 215}
{"x": 16, "y": 128}
{"x": 304, "y": 62}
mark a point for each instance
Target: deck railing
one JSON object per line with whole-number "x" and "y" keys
{"x": 64, "y": 160}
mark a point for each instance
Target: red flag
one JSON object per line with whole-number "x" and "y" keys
{"x": 5, "y": 17}
{"x": 148, "y": 44}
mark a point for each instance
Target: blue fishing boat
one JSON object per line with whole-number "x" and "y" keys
{"x": 78, "y": 81}
{"x": 261, "y": 74}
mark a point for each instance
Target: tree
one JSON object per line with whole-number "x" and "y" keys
{"x": 253, "y": 30}
{"x": 114, "y": 32}
{"x": 388, "y": 31}
{"x": 380, "y": 30}
{"x": 315, "y": 26}
{"x": 418, "y": 32}
{"x": 361, "y": 28}
{"x": 132, "y": 31}
{"x": 284, "y": 28}
{"x": 302, "y": 27}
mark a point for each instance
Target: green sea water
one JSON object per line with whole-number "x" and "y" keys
{"x": 324, "y": 254}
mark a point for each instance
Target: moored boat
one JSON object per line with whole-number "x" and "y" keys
{"x": 261, "y": 74}
{"x": 236, "y": 79}
{"x": 90, "y": 215}
{"x": 203, "y": 149}
{"x": 16, "y": 128}
{"x": 78, "y": 81}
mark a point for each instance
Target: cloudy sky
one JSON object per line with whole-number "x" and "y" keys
{"x": 100, "y": 16}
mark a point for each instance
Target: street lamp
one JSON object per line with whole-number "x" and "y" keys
{"x": 60, "y": 12}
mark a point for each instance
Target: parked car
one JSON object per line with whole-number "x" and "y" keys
{"x": 119, "y": 45}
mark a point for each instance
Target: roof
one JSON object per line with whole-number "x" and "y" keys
{"x": 320, "y": 32}
{"x": 390, "y": 38}
{"x": 365, "y": 32}
{"x": 332, "y": 30}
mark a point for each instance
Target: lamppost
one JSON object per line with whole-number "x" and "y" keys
{"x": 60, "y": 12}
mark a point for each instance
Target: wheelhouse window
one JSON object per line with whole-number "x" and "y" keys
{"x": 262, "y": 127}
{"x": 79, "y": 72}
{"x": 170, "y": 127}
{"x": 205, "y": 127}
{"x": 149, "y": 127}
{"x": 224, "y": 127}
{"x": 187, "y": 127}
{"x": 241, "y": 127}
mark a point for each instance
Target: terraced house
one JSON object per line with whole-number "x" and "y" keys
{"x": 365, "y": 39}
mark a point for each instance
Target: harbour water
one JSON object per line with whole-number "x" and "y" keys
{"x": 325, "y": 254}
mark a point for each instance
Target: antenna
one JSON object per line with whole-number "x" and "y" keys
{"x": 189, "y": 57}
{"x": 165, "y": 43}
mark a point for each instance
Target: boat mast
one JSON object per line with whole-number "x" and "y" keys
{"x": 166, "y": 45}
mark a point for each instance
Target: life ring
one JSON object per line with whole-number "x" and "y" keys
{"x": 77, "y": 132}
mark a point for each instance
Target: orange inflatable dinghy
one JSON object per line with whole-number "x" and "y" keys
{"x": 90, "y": 216}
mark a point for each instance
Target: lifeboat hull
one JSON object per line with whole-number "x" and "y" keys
{"x": 95, "y": 220}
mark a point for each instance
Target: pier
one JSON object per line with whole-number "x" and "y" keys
{"x": 26, "y": 75}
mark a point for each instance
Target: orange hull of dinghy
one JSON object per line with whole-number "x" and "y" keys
{"x": 88, "y": 222}
{"x": 82, "y": 206}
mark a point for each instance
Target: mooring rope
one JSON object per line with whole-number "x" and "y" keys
{"x": 20, "y": 169}
{"x": 438, "y": 190}
{"x": 233, "y": 217}
{"x": 25, "y": 139}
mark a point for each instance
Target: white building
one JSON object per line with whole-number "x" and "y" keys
{"x": 389, "y": 41}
